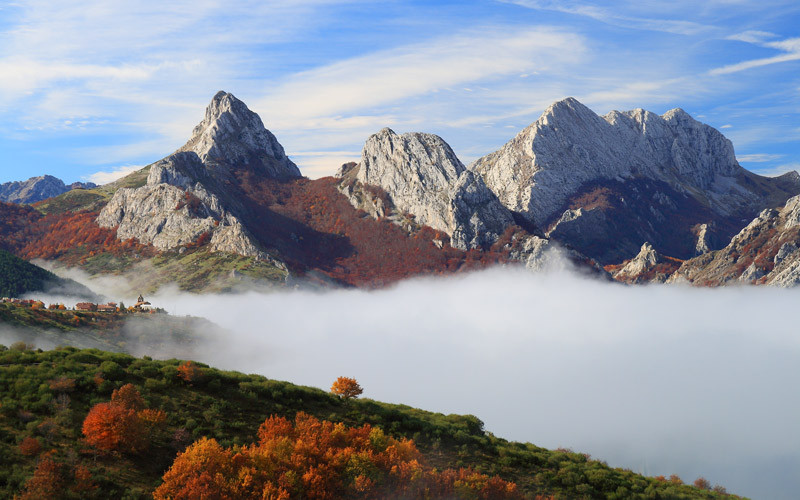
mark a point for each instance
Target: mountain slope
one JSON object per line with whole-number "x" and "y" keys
{"x": 764, "y": 252}
{"x": 37, "y": 189}
{"x": 18, "y": 277}
{"x": 47, "y": 395}
{"x": 605, "y": 185}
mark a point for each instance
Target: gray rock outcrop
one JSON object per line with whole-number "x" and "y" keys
{"x": 640, "y": 176}
{"x": 570, "y": 145}
{"x": 231, "y": 136}
{"x": 422, "y": 176}
{"x": 766, "y": 251}
{"x": 185, "y": 197}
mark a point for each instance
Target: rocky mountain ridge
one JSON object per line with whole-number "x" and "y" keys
{"x": 186, "y": 197}
{"x": 422, "y": 176}
{"x": 37, "y": 189}
{"x": 766, "y": 251}
{"x": 631, "y": 191}
{"x": 605, "y": 184}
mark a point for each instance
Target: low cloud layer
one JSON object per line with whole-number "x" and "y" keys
{"x": 657, "y": 379}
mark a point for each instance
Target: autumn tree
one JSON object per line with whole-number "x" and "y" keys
{"x": 111, "y": 427}
{"x": 189, "y": 371}
{"x": 702, "y": 483}
{"x": 346, "y": 388}
{"x": 312, "y": 459}
{"x": 30, "y": 446}
{"x": 123, "y": 424}
{"x": 128, "y": 397}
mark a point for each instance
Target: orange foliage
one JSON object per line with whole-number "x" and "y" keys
{"x": 128, "y": 397}
{"x": 122, "y": 424}
{"x": 70, "y": 237}
{"x": 52, "y": 479}
{"x": 188, "y": 371}
{"x": 30, "y": 446}
{"x": 47, "y": 482}
{"x": 346, "y": 388}
{"x": 319, "y": 460}
{"x": 111, "y": 427}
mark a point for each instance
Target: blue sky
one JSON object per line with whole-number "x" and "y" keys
{"x": 91, "y": 88}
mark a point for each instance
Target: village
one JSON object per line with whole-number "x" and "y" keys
{"x": 141, "y": 306}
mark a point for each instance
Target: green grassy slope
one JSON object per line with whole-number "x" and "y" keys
{"x": 18, "y": 277}
{"x": 229, "y": 406}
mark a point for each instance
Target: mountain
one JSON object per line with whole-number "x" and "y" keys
{"x": 422, "y": 176}
{"x": 47, "y": 395}
{"x": 37, "y": 189}
{"x": 229, "y": 210}
{"x": 605, "y": 185}
{"x": 19, "y": 277}
{"x": 764, "y": 252}
{"x": 416, "y": 180}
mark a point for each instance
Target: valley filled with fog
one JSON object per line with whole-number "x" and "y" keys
{"x": 658, "y": 379}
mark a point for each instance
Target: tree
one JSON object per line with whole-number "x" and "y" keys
{"x": 128, "y": 397}
{"x": 30, "y": 446}
{"x": 346, "y": 388}
{"x": 702, "y": 483}
{"x": 313, "y": 459}
{"x": 112, "y": 427}
{"x": 189, "y": 372}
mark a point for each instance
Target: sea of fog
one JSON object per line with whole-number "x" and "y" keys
{"x": 657, "y": 379}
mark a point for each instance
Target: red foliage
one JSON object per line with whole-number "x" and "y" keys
{"x": 53, "y": 479}
{"x": 30, "y": 446}
{"x": 315, "y": 228}
{"x": 71, "y": 238}
{"x": 122, "y": 424}
{"x": 111, "y": 427}
{"x": 319, "y": 460}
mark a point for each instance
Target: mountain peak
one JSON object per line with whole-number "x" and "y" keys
{"x": 233, "y": 135}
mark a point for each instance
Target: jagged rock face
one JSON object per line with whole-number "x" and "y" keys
{"x": 423, "y": 177}
{"x": 552, "y": 165}
{"x": 232, "y": 136}
{"x": 37, "y": 189}
{"x": 647, "y": 267}
{"x": 764, "y": 252}
{"x": 188, "y": 194}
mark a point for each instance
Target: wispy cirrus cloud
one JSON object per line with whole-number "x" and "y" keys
{"x": 789, "y": 47}
{"x": 613, "y": 17}
{"x": 388, "y": 76}
{"x": 758, "y": 157}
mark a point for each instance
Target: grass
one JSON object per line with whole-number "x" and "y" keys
{"x": 229, "y": 406}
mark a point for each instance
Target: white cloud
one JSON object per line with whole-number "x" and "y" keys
{"x": 727, "y": 126}
{"x": 613, "y": 17}
{"x": 758, "y": 157}
{"x": 779, "y": 169}
{"x": 552, "y": 359}
{"x": 389, "y": 76}
{"x": 316, "y": 164}
{"x": 106, "y": 176}
{"x": 790, "y": 46}
{"x": 752, "y": 36}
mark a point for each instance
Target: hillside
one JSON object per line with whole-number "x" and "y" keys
{"x": 46, "y": 396}
{"x": 18, "y": 277}
{"x": 132, "y": 332}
